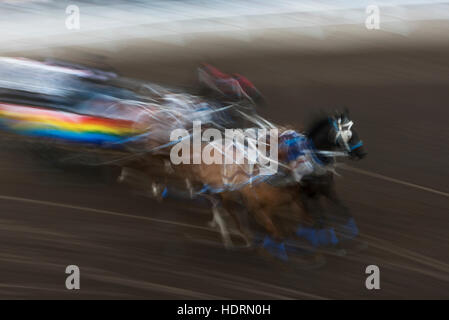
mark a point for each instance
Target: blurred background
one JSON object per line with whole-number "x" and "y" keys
{"x": 303, "y": 56}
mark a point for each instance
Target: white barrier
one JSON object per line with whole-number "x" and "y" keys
{"x": 41, "y": 24}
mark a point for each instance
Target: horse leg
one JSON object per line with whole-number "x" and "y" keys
{"x": 345, "y": 226}
{"x": 125, "y": 174}
{"x": 309, "y": 231}
{"x": 341, "y": 216}
{"x": 218, "y": 220}
{"x": 232, "y": 212}
{"x": 317, "y": 232}
{"x": 309, "y": 200}
{"x": 273, "y": 242}
{"x": 135, "y": 178}
{"x": 142, "y": 181}
{"x": 263, "y": 216}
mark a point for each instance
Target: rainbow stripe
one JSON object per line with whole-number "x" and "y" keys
{"x": 66, "y": 126}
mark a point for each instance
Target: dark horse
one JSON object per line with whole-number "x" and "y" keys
{"x": 334, "y": 228}
{"x": 323, "y": 142}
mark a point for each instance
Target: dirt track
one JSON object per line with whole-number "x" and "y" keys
{"x": 130, "y": 247}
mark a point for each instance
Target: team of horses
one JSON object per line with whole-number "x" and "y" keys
{"x": 282, "y": 208}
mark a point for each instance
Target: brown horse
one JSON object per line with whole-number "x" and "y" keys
{"x": 263, "y": 200}
{"x": 223, "y": 185}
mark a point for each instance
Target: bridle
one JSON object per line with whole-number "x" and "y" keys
{"x": 343, "y": 133}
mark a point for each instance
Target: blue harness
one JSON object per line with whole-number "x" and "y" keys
{"x": 298, "y": 145}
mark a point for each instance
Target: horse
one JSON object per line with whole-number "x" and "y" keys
{"x": 328, "y": 137}
{"x": 325, "y": 139}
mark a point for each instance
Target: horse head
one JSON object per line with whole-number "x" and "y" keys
{"x": 336, "y": 133}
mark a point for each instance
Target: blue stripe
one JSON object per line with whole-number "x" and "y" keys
{"x": 358, "y": 145}
{"x": 95, "y": 138}
{"x": 313, "y": 152}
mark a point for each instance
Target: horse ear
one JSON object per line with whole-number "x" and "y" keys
{"x": 337, "y": 114}
{"x": 346, "y": 112}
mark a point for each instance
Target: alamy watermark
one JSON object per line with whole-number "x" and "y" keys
{"x": 72, "y": 281}
{"x": 250, "y": 146}
{"x": 372, "y": 21}
{"x": 373, "y": 280}
{"x": 72, "y": 22}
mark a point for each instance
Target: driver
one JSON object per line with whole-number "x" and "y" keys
{"x": 234, "y": 87}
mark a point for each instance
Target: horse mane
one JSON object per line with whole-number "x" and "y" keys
{"x": 316, "y": 125}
